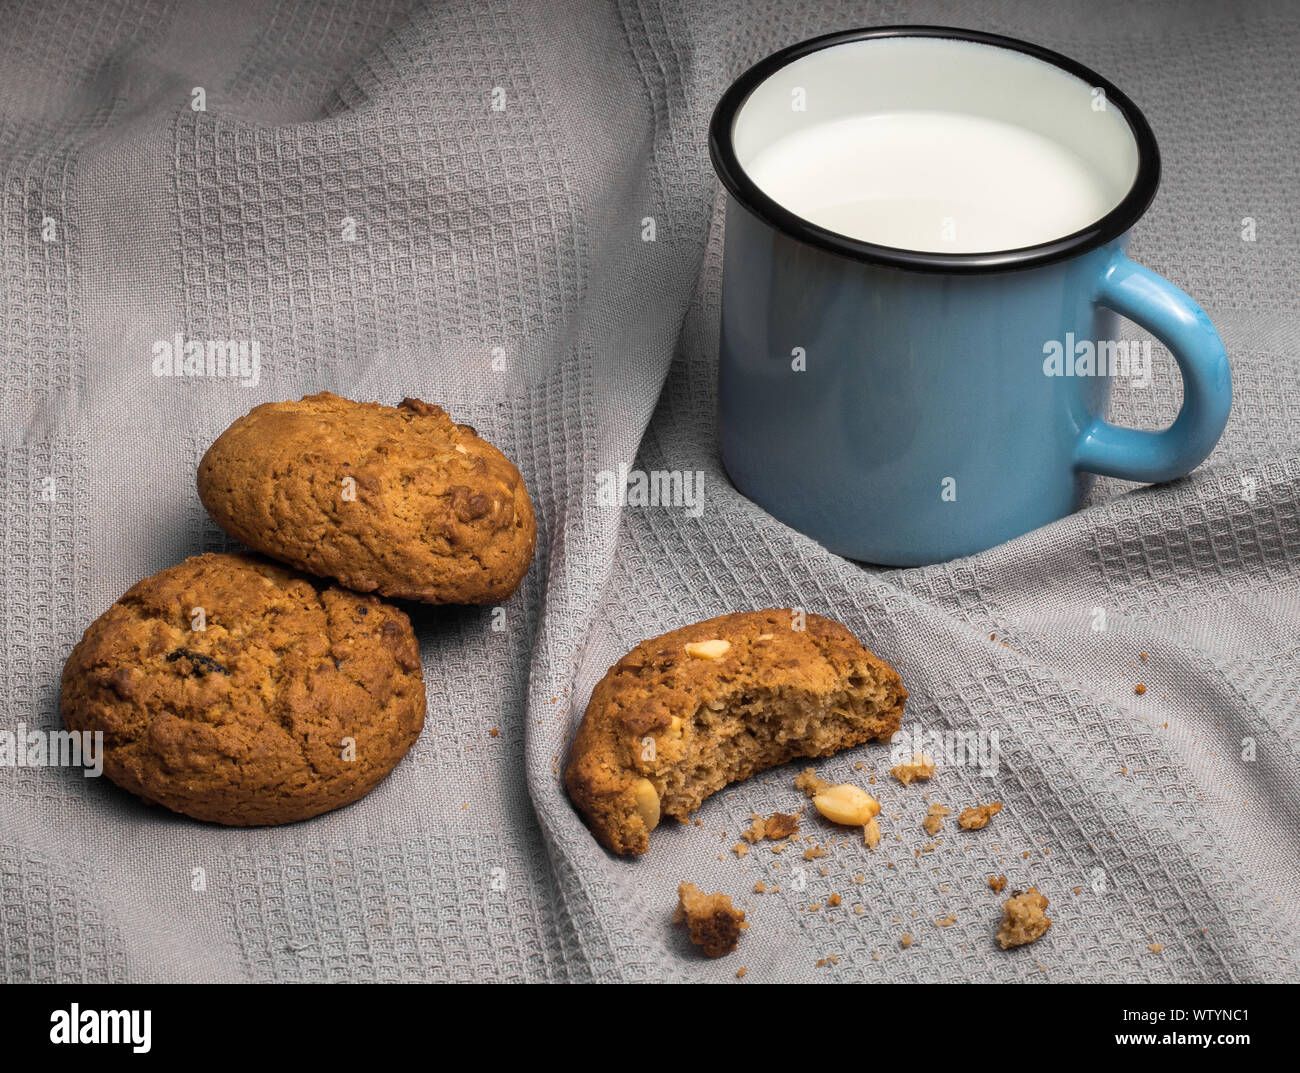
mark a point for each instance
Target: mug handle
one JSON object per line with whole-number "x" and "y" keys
{"x": 1177, "y": 321}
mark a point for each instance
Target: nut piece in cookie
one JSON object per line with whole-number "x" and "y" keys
{"x": 847, "y": 805}
{"x": 395, "y": 500}
{"x": 714, "y": 923}
{"x": 673, "y": 722}
{"x": 1023, "y": 919}
{"x": 295, "y": 698}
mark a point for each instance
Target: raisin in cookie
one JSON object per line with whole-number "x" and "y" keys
{"x": 293, "y": 698}
{"x": 397, "y": 500}
{"x": 682, "y": 715}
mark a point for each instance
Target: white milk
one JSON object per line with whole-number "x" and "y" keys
{"x": 932, "y": 181}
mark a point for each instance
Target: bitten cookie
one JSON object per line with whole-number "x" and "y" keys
{"x": 397, "y": 500}
{"x": 293, "y": 698}
{"x": 682, "y": 715}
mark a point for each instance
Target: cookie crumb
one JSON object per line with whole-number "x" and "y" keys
{"x": 933, "y": 821}
{"x": 833, "y": 901}
{"x": 740, "y": 972}
{"x": 946, "y": 922}
{"x": 1023, "y": 919}
{"x": 777, "y": 826}
{"x": 760, "y": 887}
{"x": 714, "y": 923}
{"x": 1139, "y": 689}
{"x": 905, "y": 940}
{"x": 1155, "y": 948}
{"x": 997, "y": 884}
{"x": 781, "y": 825}
{"x": 978, "y": 817}
{"x": 740, "y": 849}
{"x": 813, "y": 852}
{"x": 920, "y": 767}
{"x": 810, "y": 784}
{"x": 871, "y": 834}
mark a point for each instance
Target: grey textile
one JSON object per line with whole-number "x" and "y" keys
{"x": 522, "y": 229}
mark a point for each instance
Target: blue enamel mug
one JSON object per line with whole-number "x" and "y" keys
{"x": 923, "y": 279}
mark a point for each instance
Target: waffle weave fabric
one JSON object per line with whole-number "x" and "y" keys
{"x": 450, "y": 202}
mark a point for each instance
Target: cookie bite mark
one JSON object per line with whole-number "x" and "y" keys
{"x": 685, "y": 714}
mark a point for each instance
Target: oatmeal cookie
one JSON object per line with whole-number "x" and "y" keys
{"x": 399, "y": 501}
{"x": 232, "y": 690}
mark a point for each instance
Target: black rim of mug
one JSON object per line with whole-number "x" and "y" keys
{"x": 1098, "y": 233}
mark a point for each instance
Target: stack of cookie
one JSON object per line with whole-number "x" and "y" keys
{"x": 237, "y": 691}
